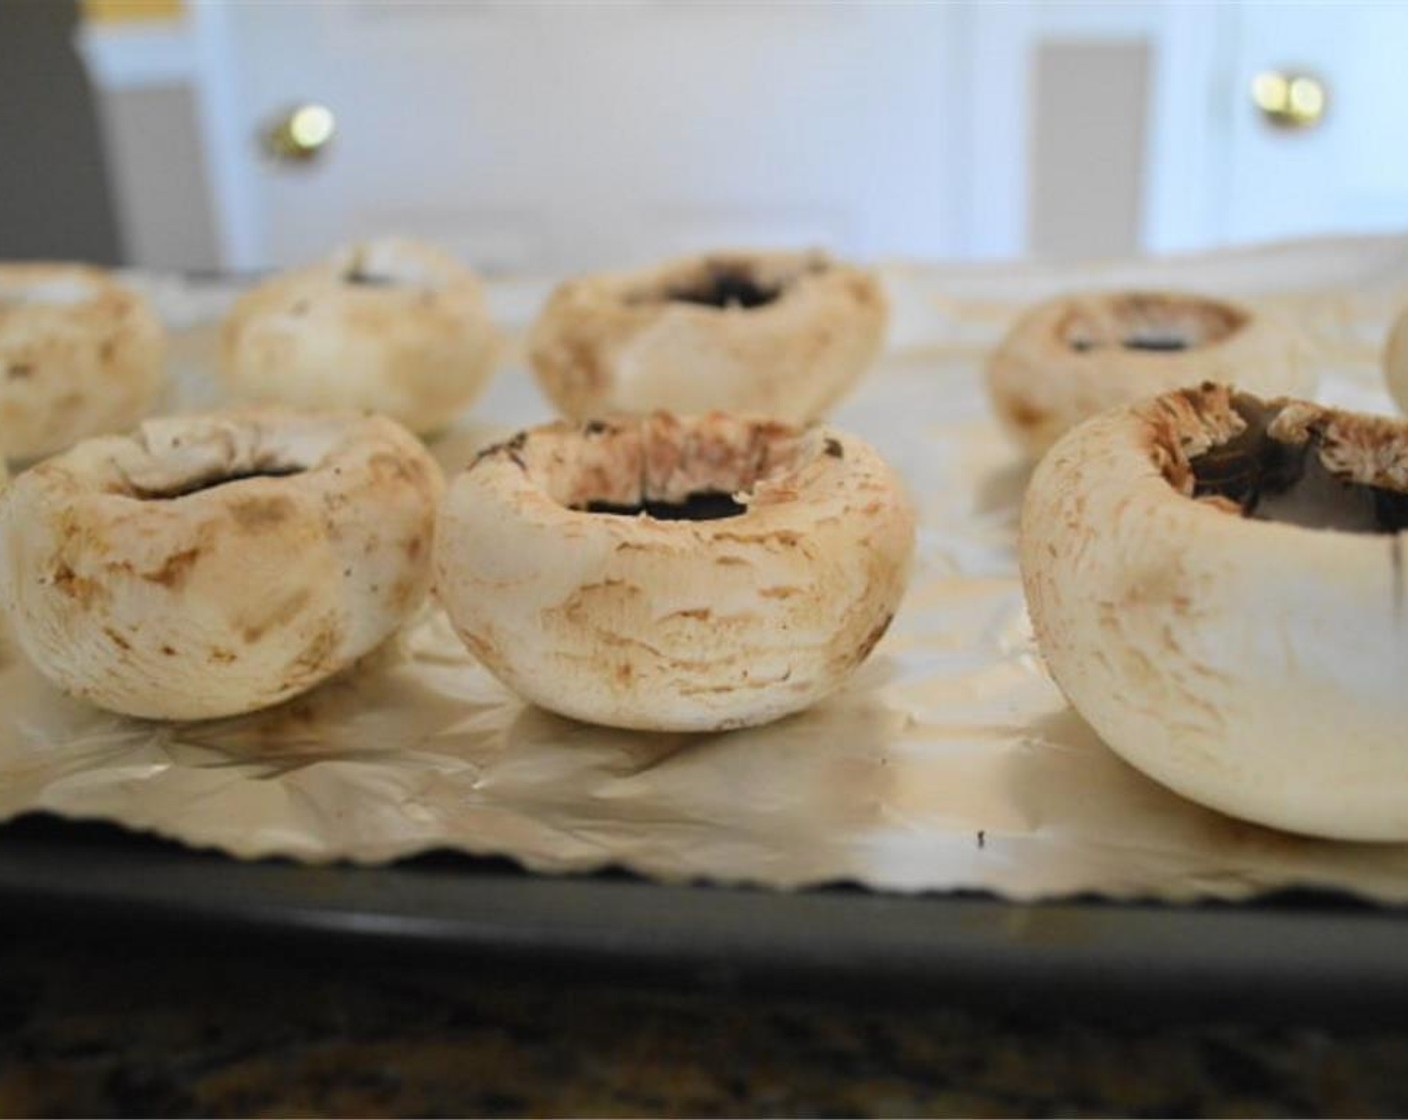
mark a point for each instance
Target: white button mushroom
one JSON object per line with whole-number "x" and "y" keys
{"x": 391, "y": 326}
{"x": 80, "y": 355}
{"x": 777, "y": 334}
{"x": 208, "y": 566}
{"x": 1217, "y": 585}
{"x": 674, "y": 574}
{"x": 1071, "y": 358}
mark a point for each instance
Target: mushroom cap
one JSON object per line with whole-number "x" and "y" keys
{"x": 1071, "y": 358}
{"x": 796, "y": 331}
{"x": 80, "y": 355}
{"x": 212, "y": 565}
{"x": 1396, "y": 362}
{"x": 685, "y": 625}
{"x": 390, "y": 326}
{"x": 1257, "y": 667}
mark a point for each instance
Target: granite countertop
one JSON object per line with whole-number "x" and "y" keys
{"x": 96, "y": 1026}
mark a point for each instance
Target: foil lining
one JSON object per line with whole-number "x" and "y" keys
{"x": 950, "y": 761}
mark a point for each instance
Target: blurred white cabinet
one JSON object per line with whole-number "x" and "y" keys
{"x": 1212, "y": 168}
{"x": 532, "y": 137}
{"x": 1156, "y": 136}
{"x": 544, "y": 138}
{"x": 1348, "y": 172}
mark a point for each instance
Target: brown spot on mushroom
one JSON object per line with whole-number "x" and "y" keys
{"x": 64, "y": 578}
{"x": 477, "y": 646}
{"x": 384, "y": 464}
{"x": 582, "y": 358}
{"x": 222, "y": 656}
{"x": 873, "y": 638}
{"x": 834, "y": 449}
{"x": 321, "y": 648}
{"x": 281, "y": 613}
{"x": 261, "y": 514}
{"x": 720, "y": 689}
{"x": 1025, "y": 415}
{"x": 700, "y": 614}
{"x": 78, "y": 588}
{"x": 175, "y": 570}
{"x": 1154, "y": 583}
{"x": 508, "y": 447}
{"x": 405, "y": 592}
{"x": 116, "y": 638}
{"x": 779, "y": 592}
{"x": 19, "y": 371}
{"x": 169, "y": 651}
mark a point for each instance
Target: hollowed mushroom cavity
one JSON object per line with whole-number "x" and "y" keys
{"x": 1151, "y": 323}
{"x": 1325, "y": 472}
{"x": 1164, "y": 344}
{"x": 201, "y": 483}
{"x": 363, "y": 272}
{"x": 726, "y": 287}
{"x": 185, "y": 456}
{"x": 703, "y": 505}
{"x": 384, "y": 265}
{"x": 728, "y": 282}
{"x": 660, "y": 467}
{"x": 358, "y": 277}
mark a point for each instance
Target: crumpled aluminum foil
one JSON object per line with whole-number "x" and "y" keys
{"x": 950, "y": 762}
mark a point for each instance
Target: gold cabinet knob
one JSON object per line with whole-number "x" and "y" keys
{"x": 1289, "y": 99}
{"x": 301, "y": 134}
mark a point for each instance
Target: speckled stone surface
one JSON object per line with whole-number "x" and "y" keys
{"x": 95, "y": 1028}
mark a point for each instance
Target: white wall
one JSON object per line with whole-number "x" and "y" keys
{"x": 546, "y": 138}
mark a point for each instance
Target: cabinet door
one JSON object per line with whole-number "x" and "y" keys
{"x": 1347, "y": 172}
{"x": 531, "y": 137}
{"x": 1132, "y": 142}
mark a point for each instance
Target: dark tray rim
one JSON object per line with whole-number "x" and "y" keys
{"x": 1295, "y": 954}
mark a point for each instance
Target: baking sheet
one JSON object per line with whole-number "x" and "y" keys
{"x": 1307, "y": 958}
{"x": 949, "y": 762}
